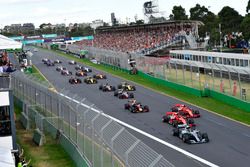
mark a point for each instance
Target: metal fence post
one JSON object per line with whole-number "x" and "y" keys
{"x": 93, "y": 136}
{"x": 191, "y": 72}
{"x": 175, "y": 72}
{"x": 183, "y": 73}
{"x": 112, "y": 144}
{"x": 77, "y": 118}
{"x": 130, "y": 149}
{"x": 156, "y": 160}
{"x": 109, "y": 122}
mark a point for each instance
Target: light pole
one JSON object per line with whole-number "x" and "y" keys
{"x": 220, "y": 37}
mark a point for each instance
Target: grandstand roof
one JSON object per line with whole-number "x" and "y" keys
{"x": 7, "y": 43}
{"x": 214, "y": 54}
{"x": 166, "y": 23}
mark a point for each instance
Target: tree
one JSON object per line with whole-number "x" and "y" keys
{"x": 248, "y": 6}
{"x": 201, "y": 13}
{"x": 198, "y": 12}
{"x": 230, "y": 20}
{"x": 178, "y": 13}
{"x": 245, "y": 27}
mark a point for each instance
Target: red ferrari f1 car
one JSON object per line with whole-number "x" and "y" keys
{"x": 175, "y": 119}
{"x": 185, "y": 111}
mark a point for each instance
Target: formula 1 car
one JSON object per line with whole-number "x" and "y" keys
{"x": 66, "y": 72}
{"x": 106, "y": 87}
{"x": 90, "y": 80}
{"x": 60, "y": 68}
{"x": 85, "y": 69}
{"x": 122, "y": 94}
{"x": 185, "y": 111}
{"x": 75, "y": 81}
{"x": 100, "y": 76}
{"x": 78, "y": 67}
{"x": 72, "y": 62}
{"x": 126, "y": 86}
{"x": 44, "y": 60}
{"x": 175, "y": 119}
{"x": 190, "y": 135}
{"x": 57, "y": 61}
{"x": 49, "y": 63}
{"x": 81, "y": 73}
{"x": 136, "y": 107}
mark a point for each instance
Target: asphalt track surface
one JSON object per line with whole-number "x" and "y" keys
{"x": 229, "y": 144}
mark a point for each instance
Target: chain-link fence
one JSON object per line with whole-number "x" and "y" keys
{"x": 100, "y": 139}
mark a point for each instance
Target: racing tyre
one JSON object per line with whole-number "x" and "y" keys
{"x": 205, "y": 136}
{"x": 119, "y": 86}
{"x": 116, "y": 93}
{"x": 131, "y": 95}
{"x": 134, "y": 88}
{"x": 100, "y": 87}
{"x": 165, "y": 118}
{"x": 196, "y": 112}
{"x": 104, "y": 77}
{"x": 175, "y": 132}
{"x": 174, "y": 109}
{"x": 146, "y": 108}
{"x": 190, "y": 121}
{"x": 126, "y": 106}
{"x": 185, "y": 138}
{"x": 175, "y": 123}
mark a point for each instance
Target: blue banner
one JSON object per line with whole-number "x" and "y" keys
{"x": 49, "y": 35}
{"x": 82, "y": 38}
{"x": 33, "y": 41}
{"x": 17, "y": 38}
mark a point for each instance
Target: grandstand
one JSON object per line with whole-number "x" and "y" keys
{"x": 143, "y": 39}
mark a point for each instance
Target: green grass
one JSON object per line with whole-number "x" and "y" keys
{"x": 37, "y": 74}
{"x": 51, "y": 154}
{"x": 206, "y": 103}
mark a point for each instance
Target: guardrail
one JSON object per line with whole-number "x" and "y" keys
{"x": 99, "y": 138}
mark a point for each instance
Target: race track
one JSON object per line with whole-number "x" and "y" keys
{"x": 229, "y": 144}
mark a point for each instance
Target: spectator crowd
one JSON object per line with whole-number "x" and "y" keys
{"x": 5, "y": 65}
{"x": 137, "y": 39}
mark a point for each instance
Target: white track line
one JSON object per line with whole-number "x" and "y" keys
{"x": 148, "y": 135}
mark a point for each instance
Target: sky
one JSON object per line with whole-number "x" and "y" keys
{"x": 79, "y": 11}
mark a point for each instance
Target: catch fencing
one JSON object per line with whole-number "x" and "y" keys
{"x": 231, "y": 81}
{"x": 97, "y": 137}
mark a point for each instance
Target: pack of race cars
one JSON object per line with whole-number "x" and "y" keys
{"x": 181, "y": 117}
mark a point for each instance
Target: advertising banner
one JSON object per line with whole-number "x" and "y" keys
{"x": 18, "y": 38}
{"x": 49, "y": 35}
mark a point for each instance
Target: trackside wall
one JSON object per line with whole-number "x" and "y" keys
{"x": 230, "y": 100}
